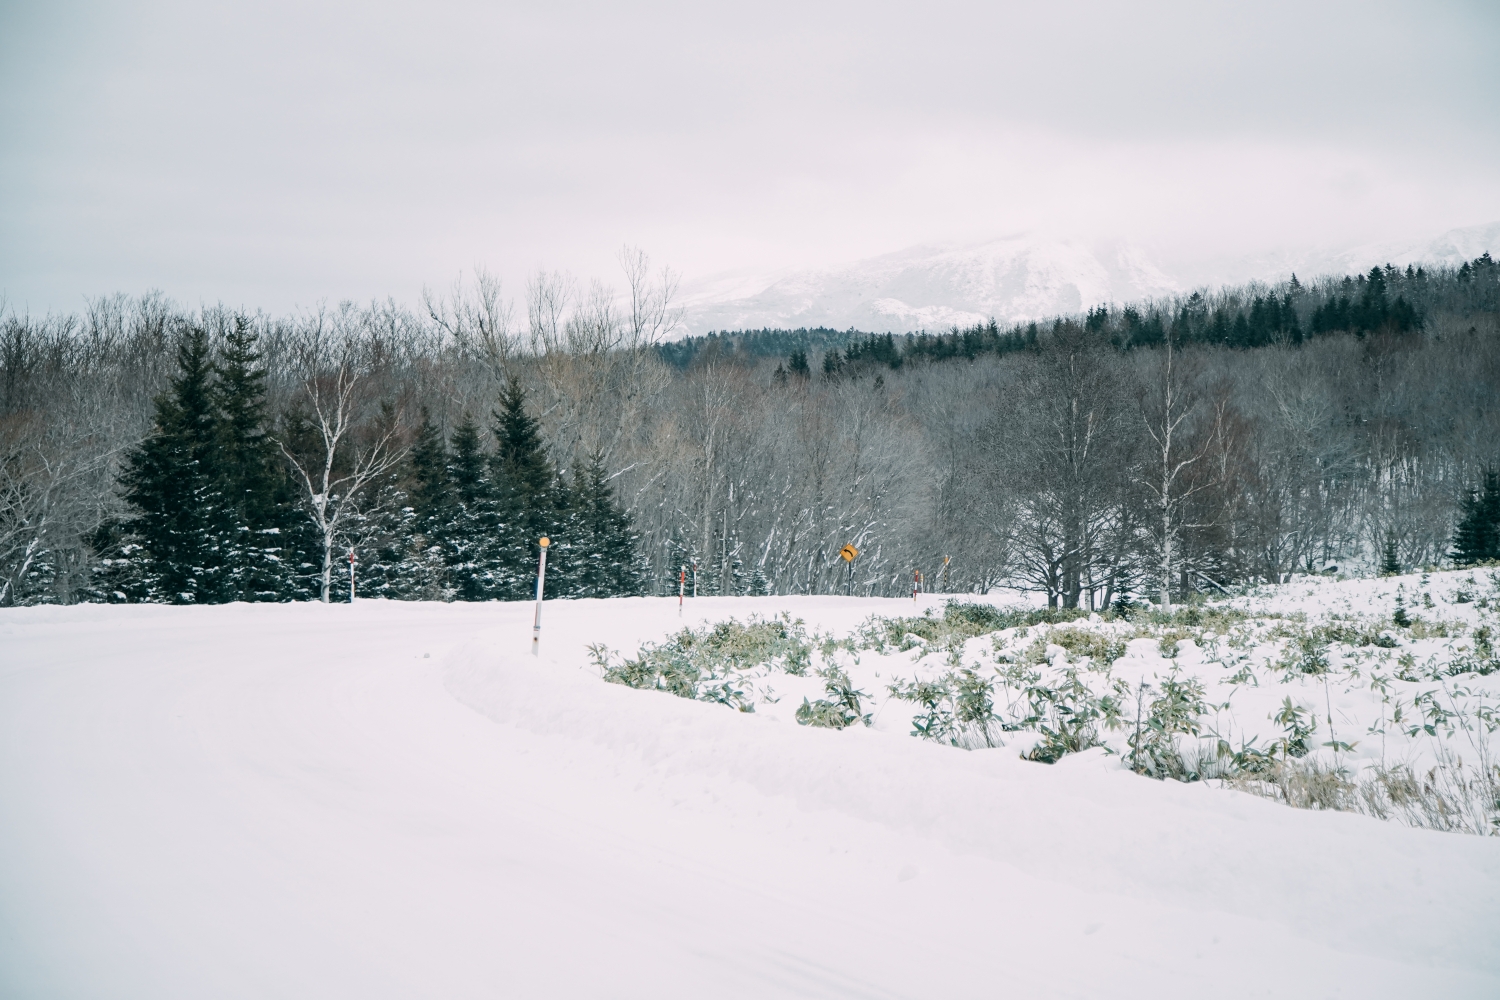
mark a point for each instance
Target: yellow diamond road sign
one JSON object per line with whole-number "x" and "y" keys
{"x": 848, "y": 552}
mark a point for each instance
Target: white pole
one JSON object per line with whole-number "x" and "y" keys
{"x": 351, "y": 574}
{"x": 541, "y": 577}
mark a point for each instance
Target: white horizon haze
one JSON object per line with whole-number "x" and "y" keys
{"x": 279, "y": 155}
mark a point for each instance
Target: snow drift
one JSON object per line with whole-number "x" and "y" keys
{"x": 397, "y": 800}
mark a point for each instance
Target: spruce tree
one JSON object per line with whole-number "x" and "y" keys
{"x": 605, "y": 561}
{"x": 1477, "y": 538}
{"x": 532, "y": 501}
{"x": 427, "y": 469}
{"x": 258, "y": 525}
{"x": 1390, "y": 559}
{"x": 432, "y": 508}
{"x": 394, "y": 559}
{"x": 473, "y": 534}
{"x": 171, "y": 551}
{"x": 519, "y": 456}
{"x": 833, "y": 364}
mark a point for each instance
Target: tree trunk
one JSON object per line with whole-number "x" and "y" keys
{"x": 327, "y": 565}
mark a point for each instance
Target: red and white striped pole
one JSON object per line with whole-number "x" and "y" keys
{"x": 351, "y": 574}
{"x": 541, "y": 578}
{"x": 681, "y": 588}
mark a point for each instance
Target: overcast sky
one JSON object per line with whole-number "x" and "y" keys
{"x": 277, "y": 154}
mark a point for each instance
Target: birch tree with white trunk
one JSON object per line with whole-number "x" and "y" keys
{"x": 337, "y": 471}
{"x": 1168, "y": 402}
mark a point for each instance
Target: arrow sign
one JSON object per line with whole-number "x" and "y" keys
{"x": 848, "y": 552}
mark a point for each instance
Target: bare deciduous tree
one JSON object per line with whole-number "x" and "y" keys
{"x": 338, "y": 448}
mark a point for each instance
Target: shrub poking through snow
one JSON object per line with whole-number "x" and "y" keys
{"x": 1068, "y": 715}
{"x": 1240, "y": 692}
{"x": 957, "y": 708}
{"x": 842, "y": 707}
{"x": 1174, "y": 712}
{"x": 961, "y": 621}
{"x": 713, "y": 663}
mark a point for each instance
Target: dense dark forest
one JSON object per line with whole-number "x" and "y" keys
{"x": 150, "y": 453}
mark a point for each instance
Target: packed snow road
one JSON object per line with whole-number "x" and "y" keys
{"x": 397, "y": 800}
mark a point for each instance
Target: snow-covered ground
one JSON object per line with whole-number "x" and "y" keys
{"x": 398, "y": 800}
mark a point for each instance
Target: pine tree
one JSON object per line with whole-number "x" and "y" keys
{"x": 532, "y": 500}
{"x": 474, "y": 535}
{"x": 605, "y": 561}
{"x": 519, "y": 456}
{"x": 833, "y": 364}
{"x": 467, "y": 472}
{"x": 1477, "y": 538}
{"x": 1399, "y": 616}
{"x": 395, "y": 558}
{"x": 1390, "y": 559}
{"x": 258, "y": 524}
{"x": 432, "y": 508}
{"x": 170, "y": 551}
{"x": 797, "y": 364}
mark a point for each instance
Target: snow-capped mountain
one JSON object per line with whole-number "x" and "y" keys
{"x": 1452, "y": 248}
{"x": 934, "y": 287}
{"x": 1021, "y": 277}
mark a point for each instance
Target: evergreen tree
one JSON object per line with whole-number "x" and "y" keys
{"x": 171, "y": 551}
{"x": 532, "y": 499}
{"x": 1390, "y": 559}
{"x": 605, "y": 561}
{"x": 1478, "y": 536}
{"x": 833, "y": 363}
{"x": 797, "y": 364}
{"x": 432, "y": 509}
{"x": 519, "y": 456}
{"x": 401, "y": 547}
{"x": 476, "y": 535}
{"x": 467, "y": 465}
{"x": 427, "y": 469}
{"x": 395, "y": 558}
{"x": 258, "y": 526}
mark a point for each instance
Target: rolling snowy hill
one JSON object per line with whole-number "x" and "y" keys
{"x": 397, "y": 800}
{"x": 1019, "y": 278}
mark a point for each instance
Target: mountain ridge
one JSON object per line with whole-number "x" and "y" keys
{"x": 1020, "y": 277}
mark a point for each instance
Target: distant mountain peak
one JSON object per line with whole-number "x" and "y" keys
{"x": 1017, "y": 278}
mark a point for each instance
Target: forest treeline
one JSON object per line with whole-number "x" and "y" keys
{"x": 151, "y": 453}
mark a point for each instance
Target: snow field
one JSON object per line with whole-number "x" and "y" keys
{"x": 397, "y": 800}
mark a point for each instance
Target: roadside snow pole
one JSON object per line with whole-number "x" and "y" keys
{"x": 541, "y": 577}
{"x": 847, "y": 553}
{"x": 681, "y": 588}
{"x": 351, "y": 574}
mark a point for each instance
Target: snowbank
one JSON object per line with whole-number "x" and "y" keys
{"x": 397, "y": 800}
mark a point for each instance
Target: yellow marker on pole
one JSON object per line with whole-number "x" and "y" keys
{"x": 847, "y": 553}
{"x": 541, "y": 576}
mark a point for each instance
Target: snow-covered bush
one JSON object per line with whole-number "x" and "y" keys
{"x": 842, "y": 708}
{"x": 1306, "y": 692}
{"x": 712, "y": 663}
